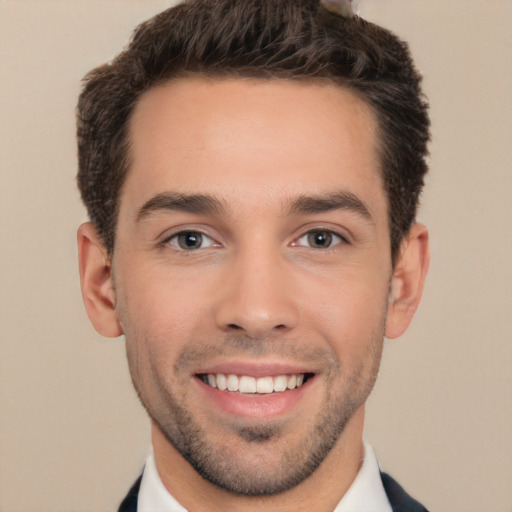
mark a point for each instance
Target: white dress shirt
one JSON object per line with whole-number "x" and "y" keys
{"x": 366, "y": 494}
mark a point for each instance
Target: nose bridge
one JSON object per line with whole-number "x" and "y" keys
{"x": 256, "y": 295}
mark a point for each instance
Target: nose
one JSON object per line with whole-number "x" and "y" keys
{"x": 256, "y": 297}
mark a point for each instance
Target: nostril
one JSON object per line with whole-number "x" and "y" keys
{"x": 234, "y": 327}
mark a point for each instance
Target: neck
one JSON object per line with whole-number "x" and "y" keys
{"x": 321, "y": 491}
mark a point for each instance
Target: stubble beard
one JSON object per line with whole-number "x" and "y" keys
{"x": 232, "y": 471}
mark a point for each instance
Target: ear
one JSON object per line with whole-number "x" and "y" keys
{"x": 407, "y": 281}
{"x": 96, "y": 281}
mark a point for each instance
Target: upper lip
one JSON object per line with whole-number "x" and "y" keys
{"x": 256, "y": 368}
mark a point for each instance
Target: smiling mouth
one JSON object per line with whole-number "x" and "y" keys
{"x": 255, "y": 385}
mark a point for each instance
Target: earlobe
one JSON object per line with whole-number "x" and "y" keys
{"x": 96, "y": 281}
{"x": 407, "y": 281}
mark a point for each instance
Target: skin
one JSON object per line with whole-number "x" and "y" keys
{"x": 254, "y": 296}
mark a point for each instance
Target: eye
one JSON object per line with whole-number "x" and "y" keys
{"x": 190, "y": 241}
{"x": 320, "y": 239}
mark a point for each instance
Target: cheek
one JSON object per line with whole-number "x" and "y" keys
{"x": 161, "y": 315}
{"x": 350, "y": 315}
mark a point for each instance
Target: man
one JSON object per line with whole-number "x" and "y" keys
{"x": 252, "y": 171}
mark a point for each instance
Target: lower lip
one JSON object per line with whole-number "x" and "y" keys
{"x": 256, "y": 405}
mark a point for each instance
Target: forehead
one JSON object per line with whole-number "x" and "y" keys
{"x": 251, "y": 139}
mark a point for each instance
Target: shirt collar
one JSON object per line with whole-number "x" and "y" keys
{"x": 153, "y": 496}
{"x": 366, "y": 494}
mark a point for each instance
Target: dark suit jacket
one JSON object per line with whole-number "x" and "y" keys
{"x": 399, "y": 499}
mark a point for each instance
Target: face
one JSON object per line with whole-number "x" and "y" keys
{"x": 251, "y": 273}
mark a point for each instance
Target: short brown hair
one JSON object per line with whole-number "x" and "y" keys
{"x": 268, "y": 39}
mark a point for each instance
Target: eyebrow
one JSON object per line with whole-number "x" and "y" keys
{"x": 205, "y": 204}
{"x": 190, "y": 203}
{"x": 329, "y": 202}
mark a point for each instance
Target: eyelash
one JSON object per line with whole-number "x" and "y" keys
{"x": 333, "y": 237}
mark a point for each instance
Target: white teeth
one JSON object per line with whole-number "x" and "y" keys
{"x": 247, "y": 384}
{"x": 212, "y": 381}
{"x": 232, "y": 383}
{"x": 251, "y": 385}
{"x": 264, "y": 385}
{"x": 221, "y": 381}
{"x": 280, "y": 383}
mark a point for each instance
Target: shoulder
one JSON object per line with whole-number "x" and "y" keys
{"x": 129, "y": 504}
{"x": 399, "y": 499}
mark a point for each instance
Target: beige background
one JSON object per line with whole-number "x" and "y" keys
{"x": 72, "y": 434}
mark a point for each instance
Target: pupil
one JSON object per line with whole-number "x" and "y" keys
{"x": 320, "y": 239}
{"x": 190, "y": 240}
